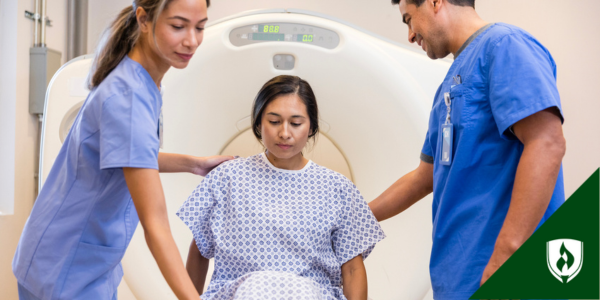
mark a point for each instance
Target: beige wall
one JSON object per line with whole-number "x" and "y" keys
{"x": 26, "y": 136}
{"x": 568, "y": 30}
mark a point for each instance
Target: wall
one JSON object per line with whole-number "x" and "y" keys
{"x": 26, "y": 132}
{"x": 104, "y": 12}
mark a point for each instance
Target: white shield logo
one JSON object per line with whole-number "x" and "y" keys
{"x": 564, "y": 258}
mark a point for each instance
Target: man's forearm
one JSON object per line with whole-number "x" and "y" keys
{"x": 534, "y": 185}
{"x": 405, "y": 192}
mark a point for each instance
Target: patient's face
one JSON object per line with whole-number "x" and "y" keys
{"x": 285, "y": 126}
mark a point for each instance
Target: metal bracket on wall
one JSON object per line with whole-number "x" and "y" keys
{"x": 34, "y": 17}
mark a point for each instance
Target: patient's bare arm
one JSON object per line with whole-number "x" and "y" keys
{"x": 354, "y": 278}
{"x": 197, "y": 267}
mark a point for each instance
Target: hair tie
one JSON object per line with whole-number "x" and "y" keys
{"x": 134, "y": 7}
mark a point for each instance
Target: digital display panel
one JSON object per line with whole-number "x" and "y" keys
{"x": 268, "y": 36}
{"x": 307, "y": 38}
{"x": 268, "y": 28}
{"x": 269, "y": 32}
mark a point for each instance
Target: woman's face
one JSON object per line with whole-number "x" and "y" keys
{"x": 179, "y": 31}
{"x": 285, "y": 126}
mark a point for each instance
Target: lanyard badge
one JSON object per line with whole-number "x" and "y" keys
{"x": 447, "y": 131}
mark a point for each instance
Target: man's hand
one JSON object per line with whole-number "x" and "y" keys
{"x": 544, "y": 148}
{"x": 497, "y": 260}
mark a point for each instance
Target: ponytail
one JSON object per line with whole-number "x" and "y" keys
{"x": 121, "y": 36}
{"x": 116, "y": 42}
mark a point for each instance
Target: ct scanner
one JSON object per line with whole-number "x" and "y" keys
{"x": 374, "y": 99}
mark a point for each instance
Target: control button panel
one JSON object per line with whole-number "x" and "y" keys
{"x": 286, "y": 33}
{"x": 284, "y": 61}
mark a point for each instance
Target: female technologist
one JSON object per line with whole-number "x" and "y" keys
{"x": 84, "y": 217}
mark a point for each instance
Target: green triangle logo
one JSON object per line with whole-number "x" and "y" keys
{"x": 560, "y": 260}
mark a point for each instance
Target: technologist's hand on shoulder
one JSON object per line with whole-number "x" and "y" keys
{"x": 203, "y": 165}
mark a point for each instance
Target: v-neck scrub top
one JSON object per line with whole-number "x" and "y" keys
{"x": 505, "y": 75}
{"x": 84, "y": 218}
{"x": 274, "y": 231}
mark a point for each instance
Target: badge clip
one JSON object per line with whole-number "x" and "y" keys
{"x": 447, "y": 131}
{"x": 457, "y": 79}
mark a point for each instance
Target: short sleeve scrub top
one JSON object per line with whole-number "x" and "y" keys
{"x": 500, "y": 76}
{"x": 84, "y": 218}
{"x": 277, "y": 233}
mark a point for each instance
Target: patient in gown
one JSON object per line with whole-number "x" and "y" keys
{"x": 278, "y": 225}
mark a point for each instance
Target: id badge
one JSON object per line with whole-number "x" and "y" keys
{"x": 447, "y": 136}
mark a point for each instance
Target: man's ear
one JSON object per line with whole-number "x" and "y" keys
{"x": 437, "y": 4}
{"x": 142, "y": 19}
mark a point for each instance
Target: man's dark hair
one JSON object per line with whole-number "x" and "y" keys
{"x": 418, "y": 3}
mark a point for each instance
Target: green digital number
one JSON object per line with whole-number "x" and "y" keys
{"x": 307, "y": 38}
{"x": 266, "y": 29}
{"x": 276, "y": 29}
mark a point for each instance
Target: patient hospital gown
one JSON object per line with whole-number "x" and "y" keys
{"x": 278, "y": 234}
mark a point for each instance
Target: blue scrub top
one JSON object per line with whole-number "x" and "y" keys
{"x": 506, "y": 75}
{"x": 84, "y": 217}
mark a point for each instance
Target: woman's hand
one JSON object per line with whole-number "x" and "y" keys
{"x": 203, "y": 165}
{"x": 173, "y": 163}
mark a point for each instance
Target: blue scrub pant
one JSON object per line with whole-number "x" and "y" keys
{"x": 25, "y": 294}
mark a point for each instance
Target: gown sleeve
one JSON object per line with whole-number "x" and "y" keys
{"x": 198, "y": 211}
{"x": 358, "y": 230}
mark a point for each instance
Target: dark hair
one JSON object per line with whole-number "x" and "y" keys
{"x": 120, "y": 37}
{"x": 418, "y": 3}
{"x": 285, "y": 85}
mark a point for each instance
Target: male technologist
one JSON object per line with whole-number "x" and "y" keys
{"x": 492, "y": 154}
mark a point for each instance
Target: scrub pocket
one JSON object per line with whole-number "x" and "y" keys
{"x": 459, "y": 114}
{"x": 93, "y": 272}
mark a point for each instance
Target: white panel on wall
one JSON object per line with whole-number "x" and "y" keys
{"x": 8, "y": 96}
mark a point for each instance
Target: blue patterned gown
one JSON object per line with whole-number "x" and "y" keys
{"x": 278, "y": 234}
